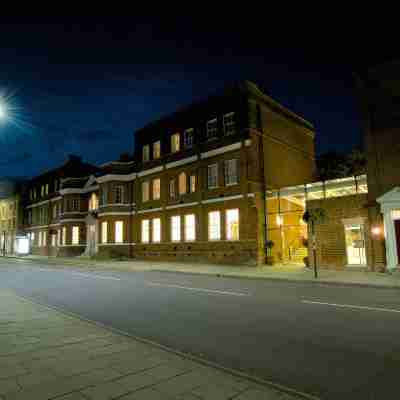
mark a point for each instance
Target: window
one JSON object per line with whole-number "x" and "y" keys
{"x": 56, "y": 185}
{"x": 119, "y": 194}
{"x": 176, "y": 228}
{"x": 93, "y": 202}
{"x": 146, "y": 153}
{"x": 231, "y": 172}
{"x": 190, "y": 227}
{"x": 182, "y": 183}
{"x": 145, "y": 191}
{"x": 34, "y": 193}
{"x": 175, "y": 142}
{"x": 145, "y": 231}
{"x": 104, "y": 232}
{"x": 75, "y": 205}
{"x": 192, "y": 183}
{"x": 59, "y": 237}
{"x": 47, "y": 189}
{"x": 172, "y": 193}
{"x": 156, "y": 224}
{"x": 64, "y": 235}
{"x": 54, "y": 240}
{"x": 54, "y": 211}
{"x": 156, "y": 150}
{"x": 29, "y": 217}
{"x": 229, "y": 124}
{"x": 119, "y": 232}
{"x": 212, "y": 129}
{"x": 232, "y": 224}
{"x": 212, "y": 176}
{"x": 188, "y": 138}
{"x": 33, "y": 236}
{"x": 214, "y": 225}
{"x": 156, "y": 188}
{"x": 40, "y": 239}
{"x": 104, "y": 195}
{"x": 75, "y": 235}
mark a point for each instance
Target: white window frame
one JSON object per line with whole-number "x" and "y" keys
{"x": 210, "y": 183}
{"x": 212, "y": 133}
{"x": 231, "y": 166}
{"x": 157, "y": 150}
{"x": 190, "y": 227}
{"x": 214, "y": 225}
{"x": 156, "y": 188}
{"x": 229, "y": 127}
{"x": 145, "y": 191}
{"x": 228, "y": 227}
{"x": 192, "y": 183}
{"x": 146, "y": 153}
{"x": 156, "y": 230}
{"x": 176, "y": 228}
{"x": 104, "y": 232}
{"x": 75, "y": 234}
{"x": 145, "y": 231}
{"x": 64, "y": 235}
{"x": 59, "y": 237}
{"x": 119, "y": 232}
{"x": 175, "y": 142}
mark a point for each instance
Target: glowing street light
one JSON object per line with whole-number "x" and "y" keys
{"x": 3, "y": 111}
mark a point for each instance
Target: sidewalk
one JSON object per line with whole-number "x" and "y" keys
{"x": 46, "y": 354}
{"x": 295, "y": 273}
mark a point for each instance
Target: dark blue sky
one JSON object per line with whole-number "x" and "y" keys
{"x": 84, "y": 86}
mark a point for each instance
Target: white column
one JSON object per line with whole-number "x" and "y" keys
{"x": 390, "y": 236}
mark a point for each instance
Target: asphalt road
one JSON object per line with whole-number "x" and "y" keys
{"x": 333, "y": 342}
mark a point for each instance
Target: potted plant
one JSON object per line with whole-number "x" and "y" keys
{"x": 269, "y": 244}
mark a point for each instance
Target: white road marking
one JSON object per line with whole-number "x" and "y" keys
{"x": 198, "y": 289}
{"x": 352, "y": 306}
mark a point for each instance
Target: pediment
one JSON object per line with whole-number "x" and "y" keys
{"x": 392, "y": 196}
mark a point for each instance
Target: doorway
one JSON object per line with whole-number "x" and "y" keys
{"x": 355, "y": 244}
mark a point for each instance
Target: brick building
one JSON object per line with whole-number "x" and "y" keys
{"x": 194, "y": 190}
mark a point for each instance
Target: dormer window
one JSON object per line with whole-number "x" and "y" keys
{"x": 212, "y": 128}
{"x": 188, "y": 138}
{"x": 229, "y": 124}
{"x": 146, "y": 153}
{"x": 175, "y": 143}
{"x": 156, "y": 150}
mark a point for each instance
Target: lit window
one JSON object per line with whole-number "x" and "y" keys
{"x": 104, "y": 195}
{"x": 156, "y": 188}
{"x": 176, "y": 228}
{"x": 104, "y": 232}
{"x": 156, "y": 150}
{"x": 212, "y": 176}
{"x": 64, "y": 235}
{"x": 229, "y": 124}
{"x": 145, "y": 191}
{"x": 212, "y": 128}
{"x": 93, "y": 202}
{"x": 188, "y": 137}
{"x": 231, "y": 172}
{"x": 190, "y": 227}
{"x": 145, "y": 231}
{"x": 232, "y": 224}
{"x": 214, "y": 225}
{"x": 172, "y": 193}
{"x": 175, "y": 143}
{"x": 54, "y": 240}
{"x": 75, "y": 235}
{"x": 182, "y": 183}
{"x": 156, "y": 230}
{"x": 192, "y": 183}
{"x": 119, "y": 232}
{"x": 146, "y": 153}
{"x": 119, "y": 194}
{"x": 33, "y": 236}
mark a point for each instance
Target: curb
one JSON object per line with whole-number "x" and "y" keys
{"x": 224, "y": 275}
{"x": 188, "y": 356}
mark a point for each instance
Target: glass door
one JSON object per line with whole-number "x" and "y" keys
{"x": 355, "y": 244}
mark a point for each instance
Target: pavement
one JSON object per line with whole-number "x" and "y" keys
{"x": 46, "y": 354}
{"x": 333, "y": 342}
{"x": 294, "y": 273}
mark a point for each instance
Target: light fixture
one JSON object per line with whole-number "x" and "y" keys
{"x": 279, "y": 220}
{"x": 376, "y": 230}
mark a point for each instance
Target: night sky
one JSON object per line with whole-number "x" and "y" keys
{"x": 84, "y": 85}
